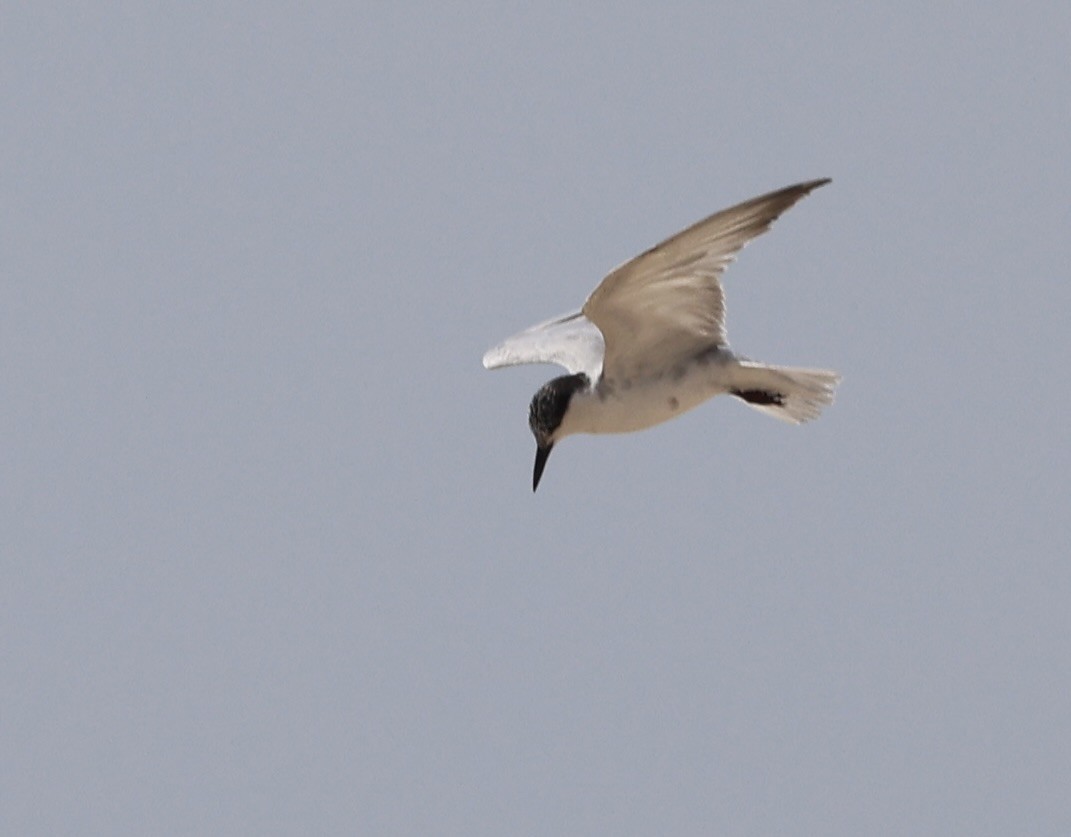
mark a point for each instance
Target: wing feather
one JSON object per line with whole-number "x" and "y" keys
{"x": 571, "y": 341}
{"x": 669, "y": 299}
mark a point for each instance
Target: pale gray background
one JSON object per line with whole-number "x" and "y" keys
{"x": 270, "y": 558}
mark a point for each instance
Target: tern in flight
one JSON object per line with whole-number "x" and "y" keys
{"x": 650, "y": 342}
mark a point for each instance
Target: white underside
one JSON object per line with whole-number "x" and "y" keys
{"x": 624, "y": 406}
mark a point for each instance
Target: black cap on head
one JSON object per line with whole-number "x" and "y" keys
{"x": 546, "y": 413}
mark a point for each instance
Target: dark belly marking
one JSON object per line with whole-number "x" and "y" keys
{"x": 760, "y": 396}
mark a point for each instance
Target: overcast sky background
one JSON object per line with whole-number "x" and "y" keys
{"x": 271, "y": 560}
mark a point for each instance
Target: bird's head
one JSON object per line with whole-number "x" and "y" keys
{"x": 548, "y": 408}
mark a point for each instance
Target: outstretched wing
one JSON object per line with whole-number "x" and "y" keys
{"x": 571, "y": 341}
{"x": 668, "y": 301}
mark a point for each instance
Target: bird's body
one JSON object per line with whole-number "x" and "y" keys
{"x": 627, "y": 404}
{"x": 650, "y": 343}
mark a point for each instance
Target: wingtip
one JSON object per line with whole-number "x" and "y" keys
{"x": 801, "y": 190}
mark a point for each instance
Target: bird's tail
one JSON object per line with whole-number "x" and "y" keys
{"x": 788, "y": 393}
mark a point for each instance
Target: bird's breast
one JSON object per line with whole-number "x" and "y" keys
{"x": 626, "y": 404}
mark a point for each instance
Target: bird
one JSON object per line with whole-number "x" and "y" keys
{"x": 650, "y": 343}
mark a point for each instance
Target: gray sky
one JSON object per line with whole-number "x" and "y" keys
{"x": 271, "y": 560}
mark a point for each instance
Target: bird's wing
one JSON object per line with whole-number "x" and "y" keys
{"x": 668, "y": 301}
{"x": 571, "y": 341}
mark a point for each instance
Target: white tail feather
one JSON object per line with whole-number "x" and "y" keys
{"x": 788, "y": 393}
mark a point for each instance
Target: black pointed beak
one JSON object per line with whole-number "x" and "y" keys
{"x": 541, "y": 462}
